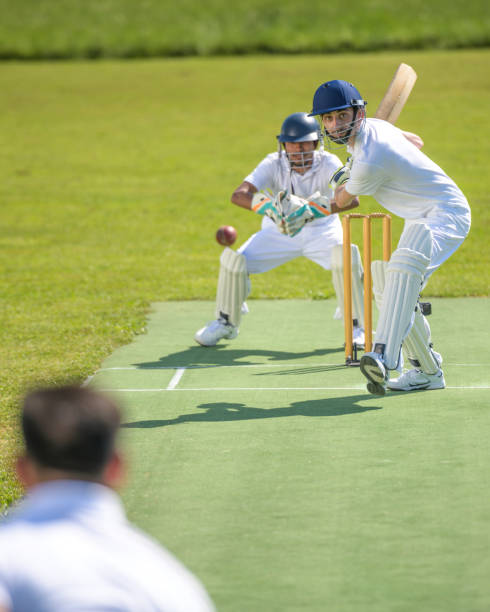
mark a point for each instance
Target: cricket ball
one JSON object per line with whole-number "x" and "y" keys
{"x": 226, "y": 235}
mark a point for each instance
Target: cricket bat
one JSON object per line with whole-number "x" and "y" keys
{"x": 397, "y": 93}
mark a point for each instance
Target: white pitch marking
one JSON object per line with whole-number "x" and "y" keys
{"x": 257, "y": 365}
{"x": 225, "y": 365}
{"x": 88, "y": 380}
{"x": 175, "y": 379}
{"x": 360, "y": 388}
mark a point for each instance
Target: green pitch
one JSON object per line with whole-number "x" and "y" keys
{"x": 115, "y": 175}
{"x": 267, "y": 468}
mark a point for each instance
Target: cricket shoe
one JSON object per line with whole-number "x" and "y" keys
{"x": 374, "y": 370}
{"x": 213, "y": 332}
{"x": 416, "y": 379}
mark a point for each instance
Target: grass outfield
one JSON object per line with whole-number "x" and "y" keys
{"x": 126, "y": 28}
{"x": 265, "y": 465}
{"x": 115, "y": 175}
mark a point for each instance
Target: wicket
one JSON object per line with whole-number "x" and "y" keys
{"x": 350, "y": 349}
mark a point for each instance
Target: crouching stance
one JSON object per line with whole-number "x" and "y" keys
{"x": 388, "y": 165}
{"x": 290, "y": 190}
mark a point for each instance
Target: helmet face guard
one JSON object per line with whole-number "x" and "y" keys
{"x": 334, "y": 96}
{"x": 299, "y": 127}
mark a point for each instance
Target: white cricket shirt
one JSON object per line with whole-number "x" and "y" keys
{"x": 273, "y": 173}
{"x": 68, "y": 547}
{"x": 399, "y": 176}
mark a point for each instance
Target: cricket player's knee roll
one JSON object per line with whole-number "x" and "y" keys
{"x": 418, "y": 238}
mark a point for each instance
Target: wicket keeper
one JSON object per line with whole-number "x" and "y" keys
{"x": 290, "y": 190}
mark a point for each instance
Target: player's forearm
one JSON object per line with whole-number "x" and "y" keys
{"x": 414, "y": 139}
{"x": 244, "y": 200}
{"x": 343, "y": 198}
{"x": 243, "y": 195}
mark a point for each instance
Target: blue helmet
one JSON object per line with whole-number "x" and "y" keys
{"x": 335, "y": 95}
{"x": 299, "y": 127}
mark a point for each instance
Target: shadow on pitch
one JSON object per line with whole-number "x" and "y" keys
{"x": 200, "y": 357}
{"x": 226, "y": 412}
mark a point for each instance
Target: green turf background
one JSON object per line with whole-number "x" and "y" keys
{"x": 125, "y": 28}
{"x": 115, "y": 175}
{"x": 285, "y": 486}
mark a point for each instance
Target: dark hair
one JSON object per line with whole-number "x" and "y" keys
{"x": 70, "y": 428}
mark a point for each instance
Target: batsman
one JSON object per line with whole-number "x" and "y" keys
{"x": 290, "y": 191}
{"x": 388, "y": 165}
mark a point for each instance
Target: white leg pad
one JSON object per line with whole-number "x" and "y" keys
{"x": 232, "y": 285}
{"x": 338, "y": 278}
{"x": 357, "y": 281}
{"x": 378, "y": 272}
{"x": 417, "y": 345}
{"x": 404, "y": 277}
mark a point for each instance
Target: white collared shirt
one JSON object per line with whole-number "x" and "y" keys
{"x": 274, "y": 173}
{"x": 399, "y": 176}
{"x": 69, "y": 547}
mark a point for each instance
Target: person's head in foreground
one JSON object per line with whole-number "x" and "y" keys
{"x": 69, "y": 433}
{"x": 68, "y": 544}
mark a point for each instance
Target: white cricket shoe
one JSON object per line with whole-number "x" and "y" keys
{"x": 213, "y": 332}
{"x": 416, "y": 379}
{"x": 358, "y": 337}
{"x": 374, "y": 370}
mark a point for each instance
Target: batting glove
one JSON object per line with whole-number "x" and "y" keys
{"x": 342, "y": 175}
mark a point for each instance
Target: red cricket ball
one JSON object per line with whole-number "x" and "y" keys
{"x": 226, "y": 235}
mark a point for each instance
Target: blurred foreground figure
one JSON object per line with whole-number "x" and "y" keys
{"x": 68, "y": 546}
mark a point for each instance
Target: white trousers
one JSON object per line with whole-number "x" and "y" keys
{"x": 448, "y": 232}
{"x": 268, "y": 248}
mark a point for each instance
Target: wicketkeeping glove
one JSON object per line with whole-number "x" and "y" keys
{"x": 264, "y": 204}
{"x": 320, "y": 205}
{"x": 296, "y": 220}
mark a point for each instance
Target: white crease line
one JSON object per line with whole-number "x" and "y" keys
{"x": 257, "y": 365}
{"x": 88, "y": 380}
{"x": 175, "y": 379}
{"x": 224, "y": 365}
{"x": 360, "y": 388}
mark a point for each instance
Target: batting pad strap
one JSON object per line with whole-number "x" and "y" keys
{"x": 357, "y": 280}
{"x": 417, "y": 344}
{"x": 404, "y": 277}
{"x": 232, "y": 285}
